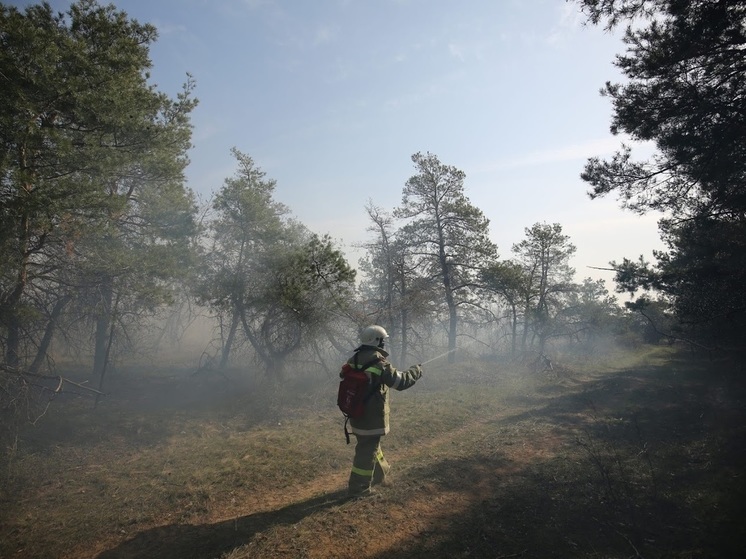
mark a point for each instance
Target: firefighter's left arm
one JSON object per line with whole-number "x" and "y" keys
{"x": 400, "y": 380}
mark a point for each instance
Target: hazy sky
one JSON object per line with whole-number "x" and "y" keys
{"x": 332, "y": 97}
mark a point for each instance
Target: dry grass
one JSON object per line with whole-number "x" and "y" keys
{"x": 641, "y": 456}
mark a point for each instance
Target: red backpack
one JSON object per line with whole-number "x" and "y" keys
{"x": 354, "y": 392}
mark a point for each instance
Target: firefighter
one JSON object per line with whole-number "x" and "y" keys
{"x": 369, "y": 467}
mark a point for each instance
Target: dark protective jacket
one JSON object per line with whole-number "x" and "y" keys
{"x": 382, "y": 376}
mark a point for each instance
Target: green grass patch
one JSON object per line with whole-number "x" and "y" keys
{"x": 639, "y": 456}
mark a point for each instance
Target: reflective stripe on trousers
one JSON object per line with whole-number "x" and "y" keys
{"x": 369, "y": 465}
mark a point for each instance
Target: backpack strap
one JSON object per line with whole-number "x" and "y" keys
{"x": 369, "y": 364}
{"x": 347, "y": 433}
{"x": 373, "y": 385}
{"x": 365, "y": 368}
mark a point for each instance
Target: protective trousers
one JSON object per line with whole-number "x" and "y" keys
{"x": 369, "y": 467}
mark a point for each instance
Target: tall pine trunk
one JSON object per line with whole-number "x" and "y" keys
{"x": 12, "y": 303}
{"x": 235, "y": 318}
{"x": 103, "y": 327}
{"x": 451, "y": 303}
{"x": 46, "y": 340}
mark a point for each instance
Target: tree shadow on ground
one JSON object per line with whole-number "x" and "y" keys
{"x": 200, "y": 541}
{"x": 650, "y": 465}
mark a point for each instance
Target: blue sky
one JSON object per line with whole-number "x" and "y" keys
{"x": 332, "y": 97}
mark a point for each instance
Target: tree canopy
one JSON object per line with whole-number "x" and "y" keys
{"x": 91, "y": 167}
{"x": 448, "y": 236}
{"x": 265, "y": 274}
{"x": 685, "y": 91}
{"x": 98, "y": 234}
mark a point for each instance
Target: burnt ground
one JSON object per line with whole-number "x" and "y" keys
{"x": 645, "y": 460}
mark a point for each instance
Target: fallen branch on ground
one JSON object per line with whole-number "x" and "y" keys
{"x": 60, "y": 380}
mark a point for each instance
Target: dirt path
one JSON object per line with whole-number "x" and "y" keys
{"x": 644, "y": 462}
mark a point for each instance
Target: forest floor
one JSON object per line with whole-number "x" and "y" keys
{"x": 628, "y": 456}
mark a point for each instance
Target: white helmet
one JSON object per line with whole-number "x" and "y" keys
{"x": 373, "y": 335}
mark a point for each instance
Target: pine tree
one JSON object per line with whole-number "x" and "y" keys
{"x": 685, "y": 91}
{"x": 447, "y": 235}
{"x": 91, "y": 168}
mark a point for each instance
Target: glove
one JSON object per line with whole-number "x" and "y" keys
{"x": 417, "y": 371}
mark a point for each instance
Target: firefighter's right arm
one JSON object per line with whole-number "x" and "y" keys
{"x": 401, "y": 380}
